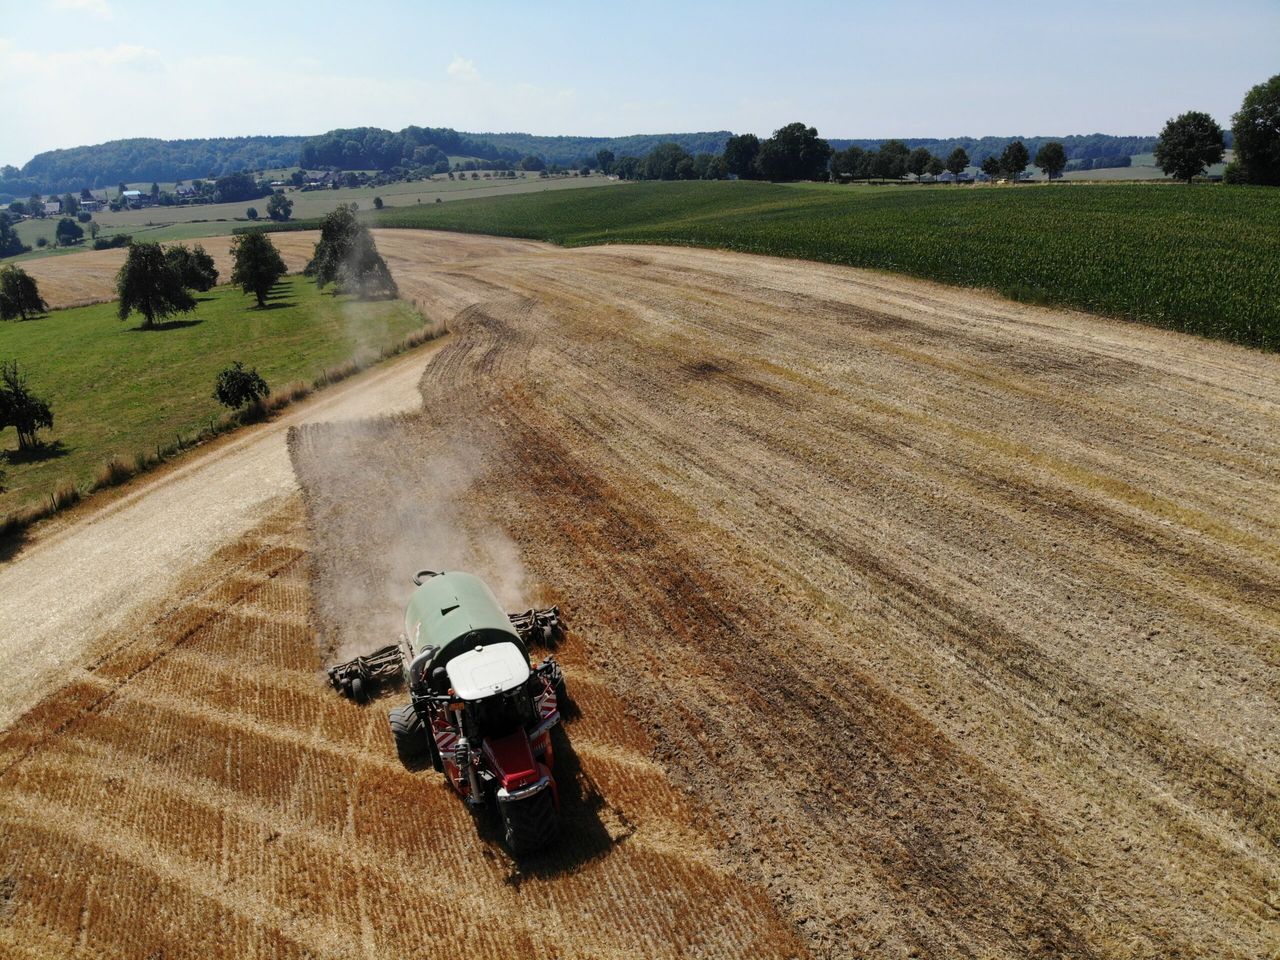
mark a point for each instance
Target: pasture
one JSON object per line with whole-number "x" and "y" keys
{"x": 118, "y": 390}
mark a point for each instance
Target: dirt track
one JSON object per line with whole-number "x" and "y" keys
{"x": 955, "y": 625}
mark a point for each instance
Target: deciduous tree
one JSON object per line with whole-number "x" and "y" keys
{"x": 1188, "y": 144}
{"x": 604, "y": 160}
{"x": 794, "y": 152}
{"x": 1257, "y": 133}
{"x": 68, "y": 232}
{"x": 1052, "y": 159}
{"x": 194, "y": 267}
{"x": 740, "y": 154}
{"x": 19, "y": 294}
{"x": 279, "y": 207}
{"x": 148, "y": 285}
{"x": 257, "y": 265}
{"x": 347, "y": 257}
{"x": 20, "y": 408}
{"x": 1014, "y": 160}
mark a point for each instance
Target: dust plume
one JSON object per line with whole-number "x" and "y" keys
{"x": 382, "y": 482}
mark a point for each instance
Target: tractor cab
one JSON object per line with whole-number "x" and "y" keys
{"x": 493, "y": 682}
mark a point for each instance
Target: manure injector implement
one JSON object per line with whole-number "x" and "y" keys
{"x": 479, "y": 709}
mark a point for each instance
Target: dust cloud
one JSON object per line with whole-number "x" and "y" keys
{"x": 380, "y": 482}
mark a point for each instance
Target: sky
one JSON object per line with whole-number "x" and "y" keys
{"x": 76, "y": 72}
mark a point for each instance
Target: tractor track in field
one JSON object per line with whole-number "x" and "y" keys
{"x": 905, "y": 621}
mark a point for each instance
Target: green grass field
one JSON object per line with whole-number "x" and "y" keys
{"x": 116, "y": 389}
{"x": 1203, "y": 259}
{"x": 215, "y": 219}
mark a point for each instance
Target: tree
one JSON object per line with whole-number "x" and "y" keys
{"x": 10, "y": 243}
{"x": 1257, "y": 134}
{"x": 991, "y": 166}
{"x": 794, "y": 152}
{"x": 279, "y": 207}
{"x": 850, "y": 162}
{"x": 664, "y": 163}
{"x": 35, "y": 205}
{"x": 1014, "y": 160}
{"x": 377, "y": 203}
{"x": 19, "y": 294}
{"x": 1188, "y": 144}
{"x": 194, "y": 267}
{"x": 604, "y": 160}
{"x": 155, "y": 191}
{"x": 84, "y": 216}
{"x": 740, "y": 154}
{"x": 530, "y": 162}
{"x": 94, "y": 229}
{"x": 890, "y": 161}
{"x": 68, "y": 232}
{"x": 20, "y": 408}
{"x": 236, "y": 187}
{"x": 347, "y": 257}
{"x": 935, "y": 167}
{"x": 70, "y": 205}
{"x": 257, "y": 265}
{"x": 252, "y": 213}
{"x": 918, "y": 161}
{"x": 146, "y": 283}
{"x": 236, "y": 386}
{"x": 1052, "y": 159}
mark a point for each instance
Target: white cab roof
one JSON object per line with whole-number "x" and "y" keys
{"x": 487, "y": 670}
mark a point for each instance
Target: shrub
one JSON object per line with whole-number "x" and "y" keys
{"x": 42, "y": 242}
{"x": 237, "y": 386}
{"x": 111, "y": 243}
{"x": 84, "y": 216}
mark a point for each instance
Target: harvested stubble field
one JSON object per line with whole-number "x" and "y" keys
{"x": 916, "y": 619}
{"x": 90, "y": 276}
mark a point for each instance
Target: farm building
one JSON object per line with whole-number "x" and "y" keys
{"x": 52, "y": 208}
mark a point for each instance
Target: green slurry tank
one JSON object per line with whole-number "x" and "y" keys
{"x": 480, "y": 710}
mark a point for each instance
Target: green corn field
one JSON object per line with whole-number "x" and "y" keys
{"x": 1203, "y": 259}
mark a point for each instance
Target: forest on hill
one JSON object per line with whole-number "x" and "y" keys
{"x": 142, "y": 160}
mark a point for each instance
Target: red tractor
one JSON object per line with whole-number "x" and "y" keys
{"x": 479, "y": 709}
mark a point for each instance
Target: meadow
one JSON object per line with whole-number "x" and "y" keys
{"x": 1203, "y": 259}
{"x": 120, "y": 391}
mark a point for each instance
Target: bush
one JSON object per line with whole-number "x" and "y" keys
{"x": 84, "y": 216}
{"x": 252, "y": 213}
{"x": 237, "y": 386}
{"x": 41, "y": 242}
{"x": 377, "y": 203}
{"x": 111, "y": 243}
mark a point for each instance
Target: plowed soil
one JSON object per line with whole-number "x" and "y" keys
{"x": 904, "y": 621}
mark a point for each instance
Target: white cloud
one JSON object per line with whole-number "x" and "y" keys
{"x": 99, "y": 8}
{"x": 463, "y": 68}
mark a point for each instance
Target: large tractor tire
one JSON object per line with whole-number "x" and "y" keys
{"x": 413, "y": 742}
{"x": 529, "y": 824}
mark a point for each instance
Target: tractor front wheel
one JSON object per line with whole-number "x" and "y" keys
{"x": 529, "y": 824}
{"x": 413, "y": 742}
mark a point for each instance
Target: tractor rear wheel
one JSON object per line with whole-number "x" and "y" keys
{"x": 413, "y": 743}
{"x": 529, "y": 824}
